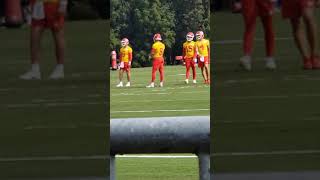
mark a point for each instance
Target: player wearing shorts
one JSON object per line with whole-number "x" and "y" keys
{"x": 125, "y": 62}
{"x": 251, "y": 9}
{"x": 303, "y": 12}
{"x": 157, "y": 52}
{"x": 203, "y": 52}
{"x": 190, "y": 57}
{"x": 47, "y": 14}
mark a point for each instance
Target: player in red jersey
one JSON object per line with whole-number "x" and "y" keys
{"x": 47, "y": 14}
{"x": 251, "y": 9}
{"x": 303, "y": 12}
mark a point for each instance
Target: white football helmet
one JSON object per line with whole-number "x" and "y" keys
{"x": 157, "y": 37}
{"x": 190, "y": 36}
{"x": 199, "y": 35}
{"x": 124, "y": 42}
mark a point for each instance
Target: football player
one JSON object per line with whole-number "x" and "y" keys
{"x": 190, "y": 57}
{"x": 125, "y": 62}
{"x": 303, "y": 12}
{"x": 251, "y": 9}
{"x": 156, "y": 55}
{"x": 47, "y": 14}
{"x": 203, "y": 52}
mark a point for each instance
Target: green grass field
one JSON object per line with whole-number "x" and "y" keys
{"x": 174, "y": 99}
{"x": 43, "y": 120}
{"x": 271, "y": 119}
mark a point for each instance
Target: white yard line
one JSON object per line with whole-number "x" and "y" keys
{"x": 57, "y": 104}
{"x": 298, "y": 175}
{"x": 165, "y": 100}
{"x": 105, "y": 157}
{"x": 285, "y": 152}
{"x": 53, "y": 158}
{"x": 161, "y": 110}
{"x": 162, "y": 93}
{"x": 157, "y": 156}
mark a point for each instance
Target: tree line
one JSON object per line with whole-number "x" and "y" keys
{"x": 139, "y": 20}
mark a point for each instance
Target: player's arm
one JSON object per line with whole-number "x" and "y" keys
{"x": 208, "y": 50}
{"x": 184, "y": 52}
{"x": 195, "y": 54}
{"x": 120, "y": 56}
{"x": 130, "y": 57}
{"x": 153, "y": 51}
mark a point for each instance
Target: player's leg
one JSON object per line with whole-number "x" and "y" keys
{"x": 249, "y": 16}
{"x": 300, "y": 41}
{"x": 120, "y": 78}
{"x": 128, "y": 77}
{"x": 311, "y": 31}
{"x": 161, "y": 70}
{"x": 207, "y": 73}
{"x": 194, "y": 73}
{"x": 155, "y": 65}
{"x": 35, "y": 41}
{"x": 269, "y": 41}
{"x": 203, "y": 73}
{"x": 59, "y": 40}
{"x": 188, "y": 65}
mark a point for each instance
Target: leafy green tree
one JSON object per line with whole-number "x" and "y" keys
{"x": 193, "y": 16}
{"x": 150, "y": 17}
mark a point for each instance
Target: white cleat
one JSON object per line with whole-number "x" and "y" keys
{"x": 57, "y": 73}
{"x": 245, "y": 63}
{"x": 270, "y": 63}
{"x": 161, "y": 84}
{"x": 31, "y": 74}
{"x": 120, "y": 84}
{"x": 128, "y": 84}
{"x": 150, "y": 86}
{"x": 194, "y": 81}
{"x": 186, "y": 81}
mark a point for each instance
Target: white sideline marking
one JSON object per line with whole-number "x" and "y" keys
{"x": 156, "y": 156}
{"x": 168, "y": 100}
{"x": 58, "y": 104}
{"x": 162, "y": 110}
{"x": 288, "y": 152}
{"x": 54, "y": 158}
{"x": 104, "y": 157}
{"x": 274, "y": 96}
{"x": 164, "y": 93}
{"x": 238, "y": 41}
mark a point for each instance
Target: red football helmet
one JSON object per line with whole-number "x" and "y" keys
{"x": 190, "y": 36}
{"x": 199, "y": 35}
{"x": 124, "y": 42}
{"x": 157, "y": 37}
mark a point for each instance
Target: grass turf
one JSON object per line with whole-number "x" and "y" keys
{"x": 51, "y": 118}
{"x": 262, "y": 111}
{"x": 157, "y": 169}
{"x": 174, "y": 99}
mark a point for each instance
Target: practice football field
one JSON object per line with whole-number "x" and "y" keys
{"x": 174, "y": 99}
{"x": 54, "y": 128}
{"x": 263, "y": 120}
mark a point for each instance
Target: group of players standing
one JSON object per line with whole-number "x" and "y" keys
{"x": 194, "y": 52}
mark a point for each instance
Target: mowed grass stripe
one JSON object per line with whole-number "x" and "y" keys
{"x": 175, "y": 99}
